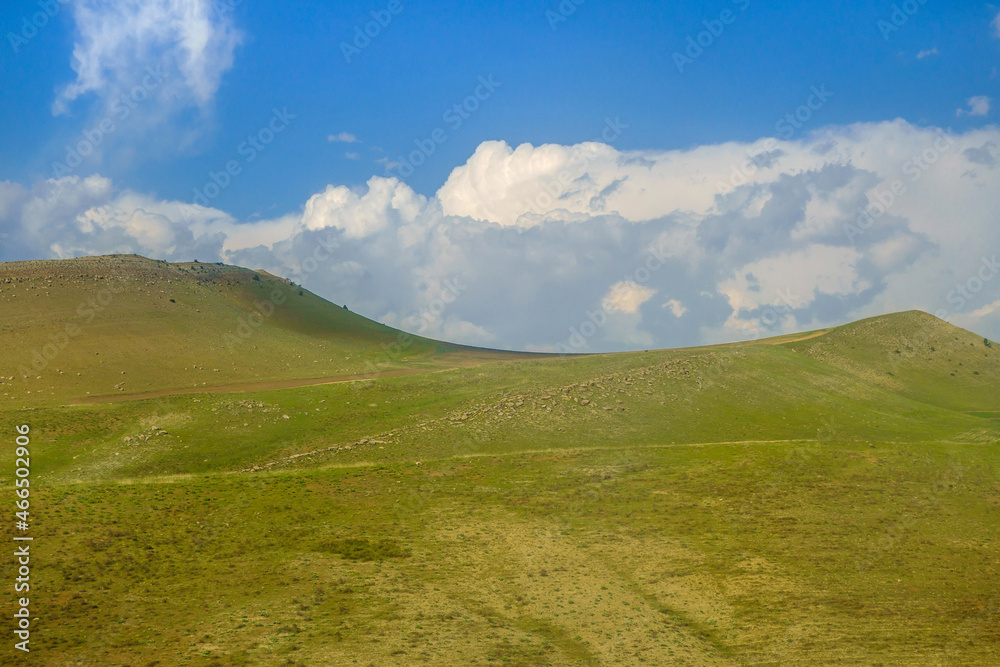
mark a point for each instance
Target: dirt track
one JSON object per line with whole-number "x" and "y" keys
{"x": 250, "y": 386}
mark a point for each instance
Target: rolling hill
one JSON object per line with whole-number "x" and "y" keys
{"x": 128, "y": 325}
{"x": 829, "y": 497}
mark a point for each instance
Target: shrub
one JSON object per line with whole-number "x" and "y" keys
{"x": 364, "y": 550}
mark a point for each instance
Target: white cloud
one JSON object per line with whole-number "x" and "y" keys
{"x": 626, "y": 297}
{"x": 985, "y": 319}
{"x": 978, "y": 106}
{"x": 928, "y": 52}
{"x": 794, "y": 278}
{"x": 343, "y": 137}
{"x": 996, "y": 24}
{"x": 988, "y": 309}
{"x": 767, "y": 252}
{"x": 676, "y": 307}
{"x": 893, "y": 251}
{"x": 363, "y": 214}
{"x": 528, "y": 185}
{"x": 352, "y": 155}
{"x": 119, "y": 42}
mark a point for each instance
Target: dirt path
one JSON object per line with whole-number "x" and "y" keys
{"x": 552, "y": 451}
{"x": 451, "y": 361}
{"x": 266, "y": 385}
{"x": 795, "y": 338}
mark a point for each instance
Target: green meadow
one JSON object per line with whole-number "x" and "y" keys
{"x": 334, "y": 494}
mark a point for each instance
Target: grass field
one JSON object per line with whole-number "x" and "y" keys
{"x": 830, "y": 498}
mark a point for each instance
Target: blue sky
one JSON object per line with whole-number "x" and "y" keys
{"x": 558, "y": 73}
{"x": 556, "y": 85}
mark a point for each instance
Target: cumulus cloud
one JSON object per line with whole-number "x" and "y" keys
{"x": 676, "y": 307}
{"x": 528, "y": 185}
{"x": 626, "y": 297}
{"x": 845, "y": 223}
{"x": 978, "y": 106}
{"x": 811, "y": 271}
{"x": 120, "y": 43}
{"x": 927, "y": 52}
{"x": 361, "y": 214}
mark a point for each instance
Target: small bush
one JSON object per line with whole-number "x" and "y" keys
{"x": 364, "y": 550}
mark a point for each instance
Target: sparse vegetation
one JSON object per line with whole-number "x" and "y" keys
{"x": 364, "y": 550}
{"x": 814, "y": 499}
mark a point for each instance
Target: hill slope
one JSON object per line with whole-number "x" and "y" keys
{"x": 125, "y": 324}
{"x": 916, "y": 355}
{"x": 809, "y": 499}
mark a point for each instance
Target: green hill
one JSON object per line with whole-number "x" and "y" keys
{"x": 128, "y": 325}
{"x": 915, "y": 355}
{"x": 827, "y": 497}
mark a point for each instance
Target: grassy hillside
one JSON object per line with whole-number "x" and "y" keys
{"x": 916, "y": 355}
{"x": 812, "y": 499}
{"x": 127, "y": 325}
